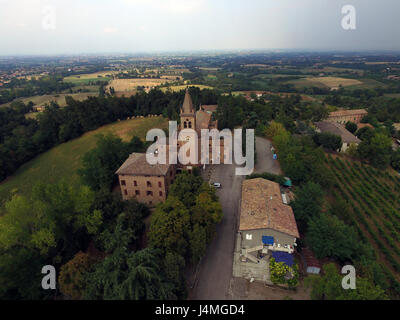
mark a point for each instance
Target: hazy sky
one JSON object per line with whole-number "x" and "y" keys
{"x": 110, "y": 26}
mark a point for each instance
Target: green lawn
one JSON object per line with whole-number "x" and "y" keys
{"x": 62, "y": 161}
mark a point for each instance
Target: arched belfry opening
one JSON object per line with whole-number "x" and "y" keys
{"x": 188, "y": 113}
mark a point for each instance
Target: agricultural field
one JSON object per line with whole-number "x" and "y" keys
{"x": 58, "y": 98}
{"x": 172, "y": 77}
{"x": 327, "y": 82}
{"x": 127, "y": 85}
{"x": 334, "y": 70}
{"x": 87, "y": 78}
{"x": 304, "y": 97}
{"x": 209, "y": 69}
{"x": 367, "y": 84}
{"x": 62, "y": 161}
{"x": 183, "y": 87}
{"x": 373, "y": 199}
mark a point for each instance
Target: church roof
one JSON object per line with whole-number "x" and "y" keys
{"x": 187, "y": 107}
{"x": 203, "y": 119}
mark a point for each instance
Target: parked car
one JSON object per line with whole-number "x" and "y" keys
{"x": 217, "y": 185}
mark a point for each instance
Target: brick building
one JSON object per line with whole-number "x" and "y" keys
{"x": 150, "y": 183}
{"x": 147, "y": 183}
{"x": 344, "y": 116}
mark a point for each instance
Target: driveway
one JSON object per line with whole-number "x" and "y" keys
{"x": 215, "y": 270}
{"x": 214, "y": 275}
{"x": 265, "y": 162}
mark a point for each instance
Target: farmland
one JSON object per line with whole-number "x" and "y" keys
{"x": 183, "y": 87}
{"x": 62, "y": 161}
{"x": 329, "y": 82}
{"x": 126, "y": 85}
{"x": 58, "y": 98}
{"x": 373, "y": 201}
{"x": 90, "y": 77}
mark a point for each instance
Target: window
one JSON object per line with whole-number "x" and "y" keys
{"x": 150, "y": 193}
{"x": 249, "y": 236}
{"x": 123, "y": 183}
{"x": 149, "y": 184}
{"x": 126, "y": 192}
{"x": 160, "y": 184}
{"x": 185, "y": 124}
{"x": 160, "y": 193}
{"x": 190, "y": 124}
{"x": 137, "y": 192}
{"x": 170, "y": 173}
{"x": 135, "y": 183}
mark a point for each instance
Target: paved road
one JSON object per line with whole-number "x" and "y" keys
{"x": 216, "y": 268}
{"x": 265, "y": 163}
{"x": 215, "y": 272}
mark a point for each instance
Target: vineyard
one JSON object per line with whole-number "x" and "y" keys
{"x": 373, "y": 199}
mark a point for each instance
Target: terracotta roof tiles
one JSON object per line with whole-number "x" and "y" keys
{"x": 262, "y": 208}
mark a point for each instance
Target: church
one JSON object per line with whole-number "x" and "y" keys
{"x": 150, "y": 183}
{"x": 197, "y": 120}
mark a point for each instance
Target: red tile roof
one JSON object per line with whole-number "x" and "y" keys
{"x": 262, "y": 208}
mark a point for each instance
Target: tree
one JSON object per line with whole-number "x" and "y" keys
{"x": 351, "y": 126}
{"x": 174, "y": 265}
{"x": 328, "y": 287}
{"x": 71, "y": 279}
{"x": 127, "y": 230}
{"x": 100, "y": 164}
{"x": 125, "y": 275}
{"x": 27, "y": 224}
{"x": 170, "y": 227}
{"x": 198, "y": 243}
{"x": 352, "y": 150}
{"x": 281, "y": 273}
{"x": 186, "y": 187}
{"x": 274, "y": 129}
{"x": 365, "y": 133}
{"x": 330, "y": 237}
{"x": 308, "y": 203}
{"x": 206, "y": 213}
{"x": 395, "y": 161}
{"x": 53, "y": 215}
{"x": 328, "y": 141}
{"x": 377, "y": 150}
{"x": 20, "y": 274}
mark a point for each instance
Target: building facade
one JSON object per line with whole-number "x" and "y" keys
{"x": 150, "y": 183}
{"x": 197, "y": 120}
{"x": 344, "y": 116}
{"x": 266, "y": 223}
{"x": 146, "y": 183}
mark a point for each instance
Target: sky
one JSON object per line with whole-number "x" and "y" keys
{"x": 47, "y": 27}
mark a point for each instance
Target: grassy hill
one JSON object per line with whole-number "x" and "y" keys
{"x": 373, "y": 201}
{"x": 62, "y": 161}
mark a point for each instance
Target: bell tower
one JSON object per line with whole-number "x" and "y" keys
{"x": 188, "y": 114}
